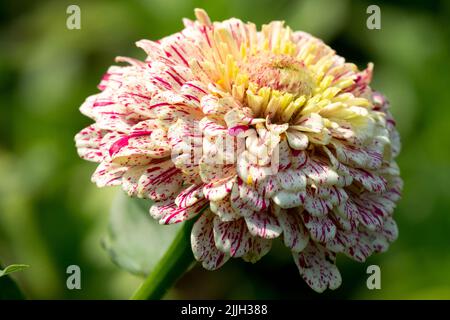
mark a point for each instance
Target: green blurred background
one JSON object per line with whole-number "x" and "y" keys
{"x": 51, "y": 216}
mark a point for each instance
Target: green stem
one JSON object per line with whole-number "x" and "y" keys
{"x": 175, "y": 262}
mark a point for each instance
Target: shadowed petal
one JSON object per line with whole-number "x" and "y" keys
{"x": 202, "y": 242}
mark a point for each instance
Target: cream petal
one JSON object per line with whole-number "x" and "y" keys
{"x": 371, "y": 219}
{"x": 310, "y": 123}
{"x": 390, "y": 229}
{"x": 287, "y": 199}
{"x": 297, "y": 140}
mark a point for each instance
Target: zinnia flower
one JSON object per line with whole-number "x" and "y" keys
{"x": 263, "y": 134}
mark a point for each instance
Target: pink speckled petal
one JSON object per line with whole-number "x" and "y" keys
{"x": 320, "y": 172}
{"x": 292, "y": 180}
{"x": 160, "y": 181}
{"x": 224, "y": 210}
{"x": 289, "y": 199}
{"x": 295, "y": 235}
{"x": 215, "y": 191}
{"x": 315, "y": 205}
{"x": 317, "y": 267}
{"x": 297, "y": 140}
{"x": 88, "y": 143}
{"x": 263, "y": 224}
{"x": 189, "y": 196}
{"x": 321, "y": 229}
{"x": 167, "y": 211}
{"x": 108, "y": 174}
{"x": 202, "y": 242}
{"x": 259, "y": 247}
{"x": 371, "y": 181}
{"x": 232, "y": 237}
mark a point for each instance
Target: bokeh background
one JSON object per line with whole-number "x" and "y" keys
{"x": 51, "y": 216}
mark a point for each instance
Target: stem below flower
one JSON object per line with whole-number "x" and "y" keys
{"x": 175, "y": 262}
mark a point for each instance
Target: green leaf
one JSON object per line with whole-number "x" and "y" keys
{"x": 13, "y": 268}
{"x": 9, "y": 290}
{"x": 135, "y": 241}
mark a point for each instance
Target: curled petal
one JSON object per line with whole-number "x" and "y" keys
{"x": 321, "y": 229}
{"x": 320, "y": 172}
{"x": 295, "y": 235}
{"x": 232, "y": 237}
{"x": 390, "y": 229}
{"x": 297, "y": 140}
{"x": 357, "y": 157}
{"x": 189, "y": 196}
{"x": 249, "y": 196}
{"x": 292, "y": 180}
{"x": 369, "y": 180}
{"x": 167, "y": 211}
{"x": 238, "y": 204}
{"x": 346, "y": 216}
{"x": 192, "y": 90}
{"x": 287, "y": 199}
{"x": 108, "y": 174}
{"x": 371, "y": 219}
{"x": 317, "y": 267}
{"x": 159, "y": 181}
{"x": 259, "y": 247}
{"x": 202, "y": 243}
{"x": 360, "y": 251}
{"x": 315, "y": 205}
{"x": 342, "y": 241}
{"x": 263, "y": 224}
{"x": 224, "y": 210}
{"x": 213, "y": 105}
{"x": 311, "y": 123}
{"x": 88, "y": 143}
{"x": 211, "y": 128}
{"x": 215, "y": 191}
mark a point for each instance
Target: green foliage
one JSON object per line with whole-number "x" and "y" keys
{"x": 135, "y": 241}
{"x": 13, "y": 268}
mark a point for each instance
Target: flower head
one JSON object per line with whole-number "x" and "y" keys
{"x": 264, "y": 134}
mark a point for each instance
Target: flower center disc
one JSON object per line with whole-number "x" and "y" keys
{"x": 279, "y": 72}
